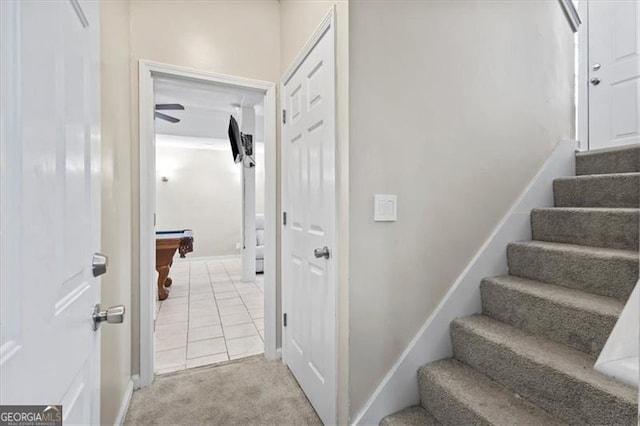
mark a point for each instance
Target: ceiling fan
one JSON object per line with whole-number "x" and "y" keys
{"x": 168, "y": 107}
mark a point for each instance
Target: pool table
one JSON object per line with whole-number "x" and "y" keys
{"x": 167, "y": 242}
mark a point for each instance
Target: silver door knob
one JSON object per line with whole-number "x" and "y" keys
{"x": 595, "y": 81}
{"x": 113, "y": 315}
{"x": 322, "y": 252}
{"x": 99, "y": 264}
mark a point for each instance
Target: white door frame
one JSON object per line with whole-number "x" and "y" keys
{"x": 147, "y": 71}
{"x": 328, "y": 24}
{"x": 583, "y": 78}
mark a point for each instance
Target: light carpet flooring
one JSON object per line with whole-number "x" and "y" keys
{"x": 251, "y": 391}
{"x": 210, "y": 316}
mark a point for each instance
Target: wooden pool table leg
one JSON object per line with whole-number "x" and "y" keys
{"x": 163, "y": 274}
{"x": 169, "y": 281}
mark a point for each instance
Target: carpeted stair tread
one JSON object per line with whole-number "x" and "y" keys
{"x": 410, "y": 416}
{"x": 554, "y": 376}
{"x": 624, "y": 159}
{"x": 573, "y": 317}
{"x": 597, "y": 227}
{"x": 456, "y": 394}
{"x": 611, "y": 190}
{"x": 597, "y": 270}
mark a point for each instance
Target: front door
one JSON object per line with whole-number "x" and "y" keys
{"x": 614, "y": 73}
{"x": 49, "y": 205}
{"x": 309, "y": 280}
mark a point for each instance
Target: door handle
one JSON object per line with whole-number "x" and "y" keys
{"x": 595, "y": 81}
{"x": 322, "y": 252}
{"x": 99, "y": 264}
{"x": 113, "y": 315}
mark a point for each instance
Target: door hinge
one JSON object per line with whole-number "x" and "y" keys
{"x": 284, "y": 116}
{"x": 284, "y": 320}
{"x": 284, "y": 218}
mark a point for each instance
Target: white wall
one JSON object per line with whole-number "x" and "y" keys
{"x": 203, "y": 193}
{"x": 204, "y": 36}
{"x": 453, "y": 107}
{"x": 116, "y": 203}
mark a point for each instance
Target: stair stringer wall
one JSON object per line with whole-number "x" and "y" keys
{"x": 399, "y": 388}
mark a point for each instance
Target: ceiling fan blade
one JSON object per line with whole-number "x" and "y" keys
{"x": 164, "y": 107}
{"x": 166, "y": 117}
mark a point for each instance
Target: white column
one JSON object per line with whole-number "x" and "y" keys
{"x": 248, "y": 202}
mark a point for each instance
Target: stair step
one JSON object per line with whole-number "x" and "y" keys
{"x": 596, "y": 227}
{"x": 457, "y": 395}
{"x": 603, "y": 271}
{"x": 554, "y": 376}
{"x": 411, "y": 416}
{"x": 624, "y": 159}
{"x": 612, "y": 190}
{"x": 573, "y": 317}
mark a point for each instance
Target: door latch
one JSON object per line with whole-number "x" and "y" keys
{"x": 99, "y": 264}
{"x": 113, "y": 315}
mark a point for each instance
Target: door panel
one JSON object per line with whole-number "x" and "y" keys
{"x": 309, "y": 199}
{"x": 50, "y": 182}
{"x": 614, "y": 44}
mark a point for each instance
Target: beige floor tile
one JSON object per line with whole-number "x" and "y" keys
{"x": 163, "y": 341}
{"x": 230, "y": 302}
{"x": 259, "y": 323}
{"x": 245, "y": 346}
{"x": 207, "y": 360}
{"x": 227, "y": 295}
{"x": 170, "y": 369}
{"x": 222, "y": 288}
{"x": 204, "y": 321}
{"x": 234, "y": 319}
{"x": 201, "y": 290}
{"x": 206, "y": 332}
{"x": 172, "y": 328}
{"x": 235, "y": 309}
{"x": 175, "y": 301}
{"x": 172, "y": 317}
{"x": 240, "y": 330}
{"x": 170, "y": 358}
{"x": 205, "y": 348}
{"x": 256, "y": 313}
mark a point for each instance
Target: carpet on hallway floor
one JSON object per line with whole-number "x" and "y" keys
{"x": 251, "y": 391}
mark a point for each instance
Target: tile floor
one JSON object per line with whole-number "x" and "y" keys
{"x": 210, "y": 316}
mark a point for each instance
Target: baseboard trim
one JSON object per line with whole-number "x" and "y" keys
{"x": 124, "y": 405}
{"x": 399, "y": 388}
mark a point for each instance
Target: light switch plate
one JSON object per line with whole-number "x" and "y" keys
{"x": 385, "y": 208}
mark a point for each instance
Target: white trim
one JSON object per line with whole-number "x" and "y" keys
{"x": 328, "y": 23}
{"x": 582, "y": 108}
{"x": 147, "y": 71}
{"x": 399, "y": 388}
{"x": 124, "y": 405}
{"x": 620, "y": 355}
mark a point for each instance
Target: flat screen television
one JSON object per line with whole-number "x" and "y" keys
{"x": 236, "y": 140}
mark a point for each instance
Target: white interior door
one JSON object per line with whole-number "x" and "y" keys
{"x": 50, "y": 193}
{"x": 614, "y": 73}
{"x": 309, "y": 144}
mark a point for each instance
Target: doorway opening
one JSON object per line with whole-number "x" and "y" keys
{"x": 207, "y": 219}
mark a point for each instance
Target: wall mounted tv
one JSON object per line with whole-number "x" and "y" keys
{"x": 235, "y": 138}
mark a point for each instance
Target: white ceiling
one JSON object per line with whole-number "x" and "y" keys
{"x": 206, "y": 107}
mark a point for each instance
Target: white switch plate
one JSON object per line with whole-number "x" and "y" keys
{"x": 385, "y": 208}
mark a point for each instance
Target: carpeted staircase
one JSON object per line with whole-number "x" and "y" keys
{"x": 528, "y": 358}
